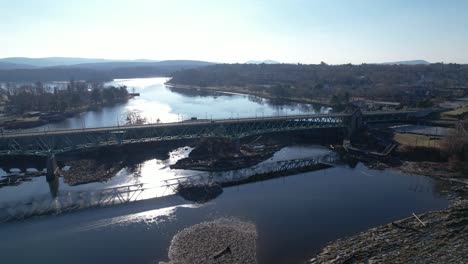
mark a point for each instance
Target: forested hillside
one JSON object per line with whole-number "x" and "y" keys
{"x": 325, "y": 80}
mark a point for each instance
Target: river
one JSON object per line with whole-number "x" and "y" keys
{"x": 158, "y": 102}
{"x": 294, "y": 215}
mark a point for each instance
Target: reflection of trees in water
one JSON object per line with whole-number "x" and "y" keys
{"x": 280, "y": 102}
{"x": 276, "y": 103}
{"x": 281, "y": 105}
{"x": 202, "y": 193}
{"x": 135, "y": 169}
{"x": 256, "y": 99}
{"x": 351, "y": 161}
{"x": 317, "y": 108}
{"x": 196, "y": 92}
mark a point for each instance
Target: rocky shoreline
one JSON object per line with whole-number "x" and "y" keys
{"x": 440, "y": 238}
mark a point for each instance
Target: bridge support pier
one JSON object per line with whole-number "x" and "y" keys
{"x": 236, "y": 144}
{"x": 356, "y": 123}
{"x": 52, "y": 168}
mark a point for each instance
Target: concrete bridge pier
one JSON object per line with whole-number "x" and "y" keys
{"x": 52, "y": 168}
{"x": 356, "y": 123}
{"x": 236, "y": 144}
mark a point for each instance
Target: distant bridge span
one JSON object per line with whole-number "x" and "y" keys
{"x": 49, "y": 143}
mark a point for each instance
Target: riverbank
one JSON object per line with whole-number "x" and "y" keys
{"x": 441, "y": 238}
{"x": 244, "y": 91}
{"x": 37, "y": 119}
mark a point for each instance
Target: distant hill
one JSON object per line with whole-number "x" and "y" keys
{"x": 52, "y": 74}
{"x": 101, "y": 71}
{"x": 262, "y": 62}
{"x": 180, "y": 64}
{"x": 9, "y": 66}
{"x": 51, "y": 61}
{"x": 409, "y": 62}
{"x": 61, "y": 61}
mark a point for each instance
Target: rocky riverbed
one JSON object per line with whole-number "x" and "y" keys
{"x": 225, "y": 240}
{"x": 442, "y": 239}
{"x": 221, "y": 154}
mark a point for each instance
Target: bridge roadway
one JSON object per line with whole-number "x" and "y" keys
{"x": 46, "y": 143}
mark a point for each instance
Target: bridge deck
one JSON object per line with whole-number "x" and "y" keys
{"x": 59, "y": 141}
{"x": 17, "y": 134}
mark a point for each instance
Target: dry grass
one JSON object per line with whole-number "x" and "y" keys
{"x": 416, "y": 140}
{"x": 456, "y": 112}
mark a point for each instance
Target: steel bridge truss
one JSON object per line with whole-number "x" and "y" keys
{"x": 50, "y": 143}
{"x": 68, "y": 201}
{"x": 243, "y": 174}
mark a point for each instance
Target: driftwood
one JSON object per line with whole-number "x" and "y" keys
{"x": 422, "y": 223}
{"x": 405, "y": 227}
{"x": 227, "y": 250}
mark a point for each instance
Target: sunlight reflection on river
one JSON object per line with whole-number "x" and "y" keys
{"x": 34, "y": 196}
{"x": 151, "y": 218}
{"x": 156, "y": 102}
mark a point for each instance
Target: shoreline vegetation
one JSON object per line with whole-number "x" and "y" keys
{"x": 411, "y": 86}
{"x": 323, "y": 101}
{"x": 31, "y": 106}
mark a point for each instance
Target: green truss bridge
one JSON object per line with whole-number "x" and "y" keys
{"x": 50, "y": 143}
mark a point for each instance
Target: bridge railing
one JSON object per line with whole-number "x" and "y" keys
{"x": 55, "y": 142}
{"x": 17, "y": 133}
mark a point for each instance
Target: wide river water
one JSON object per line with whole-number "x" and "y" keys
{"x": 294, "y": 215}
{"x": 156, "y": 101}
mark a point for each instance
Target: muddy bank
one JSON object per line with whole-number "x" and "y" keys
{"x": 409, "y": 159}
{"x": 427, "y": 168}
{"x": 442, "y": 239}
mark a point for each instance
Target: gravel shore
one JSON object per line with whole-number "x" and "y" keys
{"x": 224, "y": 240}
{"x": 443, "y": 239}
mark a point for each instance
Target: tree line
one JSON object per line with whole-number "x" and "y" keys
{"x": 37, "y": 97}
{"x": 337, "y": 82}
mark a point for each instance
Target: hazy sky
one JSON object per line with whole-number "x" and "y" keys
{"x": 307, "y": 31}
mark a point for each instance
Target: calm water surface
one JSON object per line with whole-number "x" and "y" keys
{"x": 294, "y": 215}
{"x": 156, "y": 101}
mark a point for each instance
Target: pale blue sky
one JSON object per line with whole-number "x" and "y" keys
{"x": 307, "y": 31}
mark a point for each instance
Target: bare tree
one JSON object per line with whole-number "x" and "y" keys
{"x": 455, "y": 146}
{"x": 134, "y": 117}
